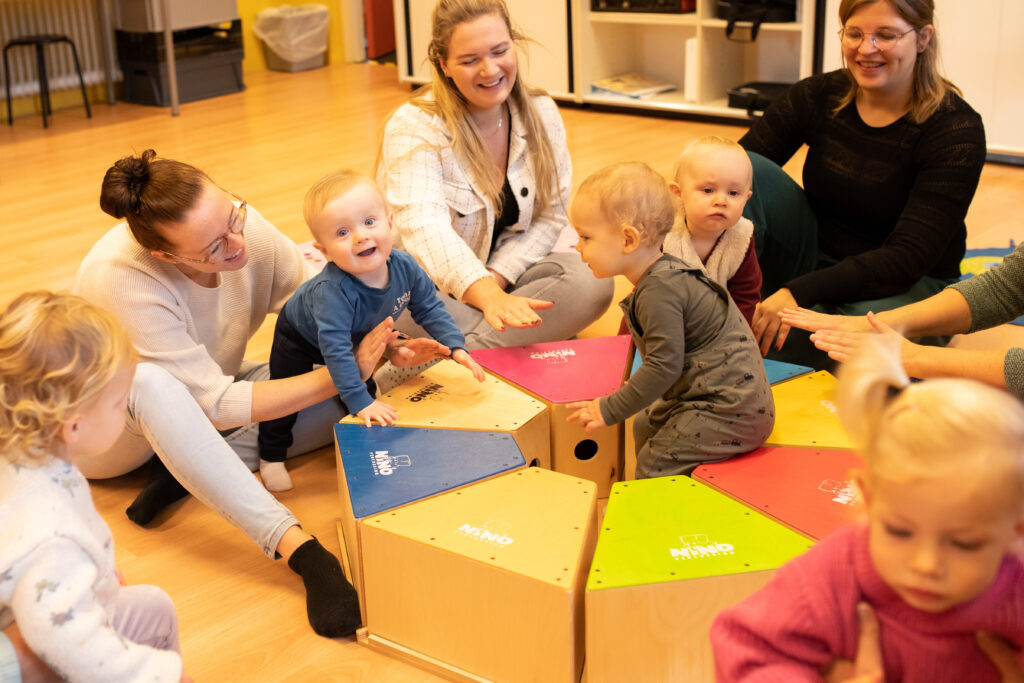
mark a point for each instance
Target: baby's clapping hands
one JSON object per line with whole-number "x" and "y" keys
{"x": 462, "y": 357}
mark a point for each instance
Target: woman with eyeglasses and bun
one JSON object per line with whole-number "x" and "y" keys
{"x": 191, "y": 273}
{"x": 893, "y": 161}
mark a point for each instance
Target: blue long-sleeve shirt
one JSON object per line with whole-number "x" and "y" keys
{"x": 335, "y": 310}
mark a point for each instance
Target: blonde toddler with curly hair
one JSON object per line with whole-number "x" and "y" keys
{"x": 65, "y": 370}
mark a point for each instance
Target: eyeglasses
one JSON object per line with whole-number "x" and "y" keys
{"x": 236, "y": 224}
{"x": 883, "y": 39}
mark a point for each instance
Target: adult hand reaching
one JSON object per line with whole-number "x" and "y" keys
{"x": 501, "y": 309}
{"x": 841, "y": 344}
{"x": 371, "y": 348}
{"x": 868, "y": 666}
{"x": 767, "y": 325}
{"x": 1002, "y": 654}
{"x": 812, "y": 321}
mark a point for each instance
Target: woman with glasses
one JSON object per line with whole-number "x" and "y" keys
{"x": 192, "y": 273}
{"x": 893, "y": 161}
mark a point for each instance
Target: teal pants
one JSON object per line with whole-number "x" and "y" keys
{"x": 786, "y": 241}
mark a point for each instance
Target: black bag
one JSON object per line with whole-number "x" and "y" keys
{"x": 756, "y": 96}
{"x": 756, "y": 12}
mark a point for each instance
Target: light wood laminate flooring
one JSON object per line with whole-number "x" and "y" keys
{"x": 243, "y": 616}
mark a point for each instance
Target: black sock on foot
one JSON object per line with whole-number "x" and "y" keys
{"x": 332, "y": 604}
{"x": 161, "y": 490}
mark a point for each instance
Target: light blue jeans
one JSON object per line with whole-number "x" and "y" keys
{"x": 216, "y": 469}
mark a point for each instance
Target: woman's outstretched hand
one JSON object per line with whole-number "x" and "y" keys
{"x": 371, "y": 348}
{"x": 812, "y": 321}
{"x": 767, "y": 325}
{"x": 501, "y": 309}
{"x": 843, "y": 343}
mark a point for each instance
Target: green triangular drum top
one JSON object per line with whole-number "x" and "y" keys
{"x": 676, "y": 528}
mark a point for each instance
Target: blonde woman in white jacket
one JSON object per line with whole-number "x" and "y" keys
{"x": 476, "y": 169}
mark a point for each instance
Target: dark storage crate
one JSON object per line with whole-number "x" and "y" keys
{"x": 134, "y": 46}
{"x": 145, "y": 82}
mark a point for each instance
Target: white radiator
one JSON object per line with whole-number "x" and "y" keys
{"x": 76, "y": 19}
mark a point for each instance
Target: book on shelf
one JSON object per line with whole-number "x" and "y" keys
{"x": 632, "y": 85}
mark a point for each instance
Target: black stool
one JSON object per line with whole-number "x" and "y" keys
{"x": 44, "y": 84}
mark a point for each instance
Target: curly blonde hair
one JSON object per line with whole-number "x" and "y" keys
{"x": 58, "y": 353}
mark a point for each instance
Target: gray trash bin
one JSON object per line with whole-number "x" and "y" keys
{"x": 294, "y": 38}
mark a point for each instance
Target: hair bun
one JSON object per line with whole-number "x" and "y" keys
{"x": 124, "y": 184}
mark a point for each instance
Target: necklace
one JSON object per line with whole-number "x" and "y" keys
{"x": 501, "y": 123}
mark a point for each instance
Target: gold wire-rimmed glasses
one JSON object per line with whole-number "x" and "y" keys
{"x": 883, "y": 39}
{"x": 236, "y": 224}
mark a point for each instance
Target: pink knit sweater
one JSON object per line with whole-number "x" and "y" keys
{"x": 806, "y": 617}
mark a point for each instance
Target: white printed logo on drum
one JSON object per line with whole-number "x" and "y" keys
{"x": 383, "y": 463}
{"x": 492, "y": 532}
{"x": 698, "y": 546}
{"x": 843, "y": 492}
{"x": 553, "y": 356}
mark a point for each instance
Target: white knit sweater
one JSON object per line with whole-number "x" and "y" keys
{"x": 198, "y": 334}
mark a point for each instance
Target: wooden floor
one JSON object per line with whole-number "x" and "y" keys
{"x": 242, "y": 616}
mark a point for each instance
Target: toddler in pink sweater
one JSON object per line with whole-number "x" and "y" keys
{"x": 935, "y": 561}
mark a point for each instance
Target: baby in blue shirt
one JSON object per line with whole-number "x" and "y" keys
{"x": 364, "y": 282}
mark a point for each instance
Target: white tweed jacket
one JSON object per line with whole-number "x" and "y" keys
{"x": 445, "y": 222}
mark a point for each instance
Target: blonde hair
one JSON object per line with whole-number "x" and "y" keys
{"x": 451, "y": 107}
{"x": 930, "y": 89}
{"x": 329, "y": 188}
{"x": 709, "y": 141}
{"x": 938, "y": 427}
{"x": 58, "y": 353}
{"x": 631, "y": 193}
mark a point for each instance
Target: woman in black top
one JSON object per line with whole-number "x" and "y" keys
{"x": 894, "y": 156}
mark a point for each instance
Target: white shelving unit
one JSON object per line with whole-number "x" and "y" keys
{"x": 612, "y": 43}
{"x": 546, "y": 63}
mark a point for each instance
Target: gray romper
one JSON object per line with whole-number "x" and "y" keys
{"x": 702, "y": 394}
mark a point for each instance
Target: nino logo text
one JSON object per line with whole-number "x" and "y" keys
{"x": 843, "y": 492}
{"x": 383, "y": 463}
{"x": 492, "y": 532}
{"x": 432, "y": 391}
{"x": 697, "y": 546}
{"x": 553, "y": 356}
